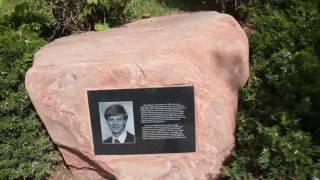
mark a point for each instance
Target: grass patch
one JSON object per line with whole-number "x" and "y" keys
{"x": 137, "y": 8}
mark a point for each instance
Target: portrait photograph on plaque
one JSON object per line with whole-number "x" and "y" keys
{"x": 117, "y": 122}
{"x": 143, "y": 120}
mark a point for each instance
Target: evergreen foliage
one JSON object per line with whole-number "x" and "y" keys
{"x": 279, "y": 119}
{"x": 25, "y": 149}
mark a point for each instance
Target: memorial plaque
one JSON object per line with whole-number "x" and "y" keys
{"x": 143, "y": 121}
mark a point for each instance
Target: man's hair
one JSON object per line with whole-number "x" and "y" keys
{"x": 114, "y": 110}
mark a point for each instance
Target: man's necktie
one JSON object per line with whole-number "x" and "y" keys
{"x": 116, "y": 141}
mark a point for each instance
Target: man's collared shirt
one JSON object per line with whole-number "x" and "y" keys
{"x": 121, "y": 138}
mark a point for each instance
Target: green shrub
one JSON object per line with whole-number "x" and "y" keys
{"x": 87, "y": 15}
{"x": 36, "y": 13}
{"x": 278, "y": 121}
{"x": 84, "y": 15}
{"x": 25, "y": 148}
{"x": 138, "y": 8}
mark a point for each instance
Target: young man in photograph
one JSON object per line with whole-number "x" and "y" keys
{"x": 116, "y": 117}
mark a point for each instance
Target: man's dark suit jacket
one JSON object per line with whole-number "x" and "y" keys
{"x": 129, "y": 138}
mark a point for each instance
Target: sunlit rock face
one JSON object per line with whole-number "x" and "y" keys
{"x": 207, "y": 50}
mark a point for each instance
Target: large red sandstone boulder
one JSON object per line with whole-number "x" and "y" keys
{"x": 208, "y": 50}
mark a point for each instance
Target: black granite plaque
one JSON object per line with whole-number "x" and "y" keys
{"x": 143, "y": 121}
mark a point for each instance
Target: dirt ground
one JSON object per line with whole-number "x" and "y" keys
{"x": 61, "y": 172}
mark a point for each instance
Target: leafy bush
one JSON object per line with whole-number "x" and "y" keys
{"x": 278, "y": 121}
{"x": 35, "y": 13}
{"x": 25, "y": 149}
{"x": 138, "y": 8}
{"x": 84, "y": 15}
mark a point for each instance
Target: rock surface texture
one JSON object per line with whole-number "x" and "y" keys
{"x": 208, "y": 50}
